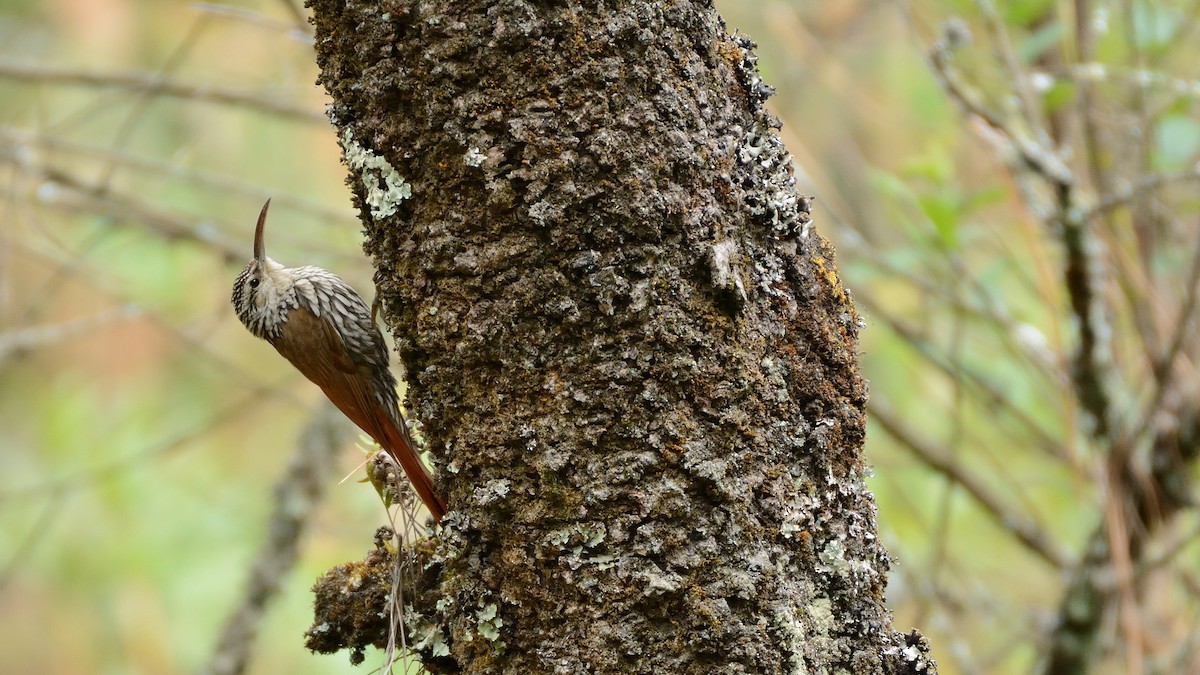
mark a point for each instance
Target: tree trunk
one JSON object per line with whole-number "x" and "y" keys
{"x": 633, "y": 361}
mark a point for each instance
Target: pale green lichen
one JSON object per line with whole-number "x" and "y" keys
{"x": 579, "y": 543}
{"x": 820, "y": 613}
{"x": 489, "y": 623}
{"x": 794, "y": 521}
{"x": 834, "y": 558}
{"x": 791, "y": 632}
{"x": 427, "y": 635}
{"x": 494, "y": 491}
{"x": 385, "y": 187}
{"x": 584, "y": 536}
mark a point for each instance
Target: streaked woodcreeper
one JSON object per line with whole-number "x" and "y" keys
{"x": 323, "y": 327}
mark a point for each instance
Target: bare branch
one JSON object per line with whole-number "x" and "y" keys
{"x": 1025, "y": 530}
{"x": 15, "y": 342}
{"x": 142, "y": 81}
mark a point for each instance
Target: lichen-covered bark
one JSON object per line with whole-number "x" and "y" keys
{"x": 635, "y": 364}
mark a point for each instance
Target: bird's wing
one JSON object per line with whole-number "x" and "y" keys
{"x": 314, "y": 346}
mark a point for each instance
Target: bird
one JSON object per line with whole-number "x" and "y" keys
{"x": 322, "y": 326}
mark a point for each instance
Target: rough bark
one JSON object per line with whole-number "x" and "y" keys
{"x": 634, "y": 362}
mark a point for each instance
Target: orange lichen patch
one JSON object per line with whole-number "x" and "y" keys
{"x": 829, "y": 274}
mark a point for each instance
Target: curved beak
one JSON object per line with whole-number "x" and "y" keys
{"x": 259, "y": 253}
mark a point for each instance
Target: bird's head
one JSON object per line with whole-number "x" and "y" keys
{"x": 259, "y": 289}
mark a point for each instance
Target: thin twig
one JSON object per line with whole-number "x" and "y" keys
{"x": 142, "y": 81}
{"x": 1033, "y": 154}
{"x": 25, "y": 143}
{"x": 26, "y": 339}
{"x": 1017, "y": 78}
{"x": 146, "y": 96}
{"x": 1163, "y": 366}
{"x": 1026, "y": 531}
{"x": 80, "y": 478}
{"x": 67, "y": 191}
{"x": 992, "y": 395}
{"x": 1124, "y": 195}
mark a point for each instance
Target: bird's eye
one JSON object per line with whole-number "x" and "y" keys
{"x": 253, "y": 282}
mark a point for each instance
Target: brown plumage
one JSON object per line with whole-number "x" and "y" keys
{"x": 322, "y": 326}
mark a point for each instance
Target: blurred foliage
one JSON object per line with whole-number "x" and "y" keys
{"x": 142, "y": 427}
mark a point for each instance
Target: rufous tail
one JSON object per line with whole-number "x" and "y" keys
{"x": 399, "y": 447}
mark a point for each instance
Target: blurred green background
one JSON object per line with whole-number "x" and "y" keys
{"x": 142, "y": 427}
